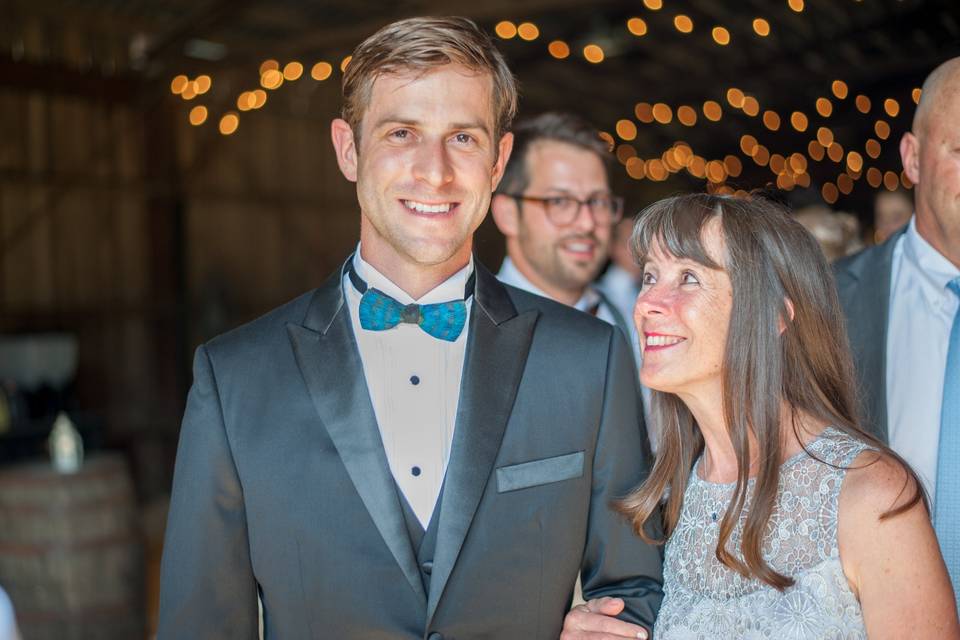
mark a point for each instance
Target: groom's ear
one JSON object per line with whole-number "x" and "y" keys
{"x": 506, "y": 214}
{"x": 344, "y": 143}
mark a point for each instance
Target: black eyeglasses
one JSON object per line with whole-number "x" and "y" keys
{"x": 606, "y": 209}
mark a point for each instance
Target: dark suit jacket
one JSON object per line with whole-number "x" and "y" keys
{"x": 863, "y": 282}
{"x": 282, "y": 484}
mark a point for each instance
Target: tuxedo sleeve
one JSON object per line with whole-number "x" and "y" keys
{"x": 207, "y": 587}
{"x": 616, "y": 562}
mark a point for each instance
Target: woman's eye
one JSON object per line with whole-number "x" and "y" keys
{"x": 689, "y": 278}
{"x": 648, "y": 278}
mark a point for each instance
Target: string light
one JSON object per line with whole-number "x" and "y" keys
{"x": 687, "y": 115}
{"x": 593, "y": 53}
{"x": 178, "y": 84}
{"x": 796, "y": 5}
{"x": 662, "y": 113}
{"x": 559, "y": 49}
{"x": 528, "y": 31}
{"x": 505, "y": 29}
{"x": 637, "y": 26}
{"x": 683, "y": 23}
{"x": 835, "y": 152}
{"x": 321, "y": 71}
{"x": 712, "y": 110}
{"x": 292, "y": 71}
{"x": 721, "y": 36}
{"x": 892, "y": 107}
{"x": 863, "y": 103}
{"x": 891, "y": 180}
{"x": 203, "y": 83}
{"x": 230, "y": 121}
{"x": 798, "y": 121}
{"x": 198, "y": 115}
{"x": 761, "y": 27}
{"x": 271, "y": 79}
{"x": 829, "y": 193}
{"x": 771, "y": 120}
{"x": 626, "y": 130}
{"x": 345, "y": 63}
{"x": 735, "y": 97}
{"x": 882, "y": 129}
{"x": 839, "y": 88}
{"x": 644, "y": 112}
{"x": 915, "y": 94}
{"x": 825, "y": 136}
{"x": 246, "y": 100}
{"x": 844, "y": 184}
{"x": 653, "y": 5}
{"x": 824, "y": 107}
{"x": 854, "y": 161}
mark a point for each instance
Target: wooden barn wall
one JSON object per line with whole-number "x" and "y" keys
{"x": 144, "y": 235}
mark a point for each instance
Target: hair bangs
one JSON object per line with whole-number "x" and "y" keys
{"x": 676, "y": 224}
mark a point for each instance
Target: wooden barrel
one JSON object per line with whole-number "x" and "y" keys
{"x": 71, "y": 555}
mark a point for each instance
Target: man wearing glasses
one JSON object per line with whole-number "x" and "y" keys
{"x": 556, "y": 210}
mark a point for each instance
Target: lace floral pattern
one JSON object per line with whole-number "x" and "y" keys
{"x": 705, "y": 599}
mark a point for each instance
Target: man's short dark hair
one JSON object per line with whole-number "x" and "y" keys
{"x": 559, "y": 127}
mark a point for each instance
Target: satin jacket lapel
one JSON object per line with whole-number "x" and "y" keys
{"x": 497, "y": 349}
{"x": 329, "y": 360}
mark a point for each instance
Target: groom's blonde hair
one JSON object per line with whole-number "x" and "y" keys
{"x": 421, "y": 44}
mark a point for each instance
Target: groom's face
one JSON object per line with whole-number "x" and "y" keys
{"x": 426, "y": 164}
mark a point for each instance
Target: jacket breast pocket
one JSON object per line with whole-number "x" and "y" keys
{"x": 538, "y": 472}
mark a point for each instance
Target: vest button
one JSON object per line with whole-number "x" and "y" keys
{"x": 427, "y": 567}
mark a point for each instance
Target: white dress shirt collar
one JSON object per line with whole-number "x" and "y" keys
{"x": 450, "y": 289}
{"x": 932, "y": 267}
{"x": 509, "y": 274}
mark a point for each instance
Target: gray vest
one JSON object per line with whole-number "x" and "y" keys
{"x": 423, "y": 542}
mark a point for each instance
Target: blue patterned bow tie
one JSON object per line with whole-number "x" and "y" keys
{"x": 379, "y": 312}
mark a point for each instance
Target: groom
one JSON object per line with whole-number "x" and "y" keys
{"x": 413, "y": 450}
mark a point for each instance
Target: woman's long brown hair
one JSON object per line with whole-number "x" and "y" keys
{"x": 770, "y": 258}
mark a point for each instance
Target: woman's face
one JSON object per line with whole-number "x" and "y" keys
{"x": 682, "y": 314}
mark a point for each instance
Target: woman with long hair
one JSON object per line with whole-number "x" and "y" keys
{"x": 783, "y": 517}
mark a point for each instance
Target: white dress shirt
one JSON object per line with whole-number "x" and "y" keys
{"x": 918, "y": 335}
{"x": 509, "y": 274}
{"x": 622, "y": 289}
{"x": 414, "y": 384}
{"x": 8, "y": 623}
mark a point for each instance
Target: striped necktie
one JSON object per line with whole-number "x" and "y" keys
{"x": 946, "y": 512}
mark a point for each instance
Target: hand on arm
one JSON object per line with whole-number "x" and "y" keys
{"x": 596, "y": 620}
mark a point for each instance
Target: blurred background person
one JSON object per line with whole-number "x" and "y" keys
{"x": 837, "y": 232}
{"x": 891, "y": 212}
{"x": 557, "y": 212}
{"x": 762, "y": 455}
{"x": 620, "y": 283}
{"x": 901, "y": 300}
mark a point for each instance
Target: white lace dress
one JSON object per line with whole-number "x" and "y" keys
{"x": 705, "y": 599}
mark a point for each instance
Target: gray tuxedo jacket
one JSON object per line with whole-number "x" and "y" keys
{"x": 282, "y": 485}
{"x": 863, "y": 283}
